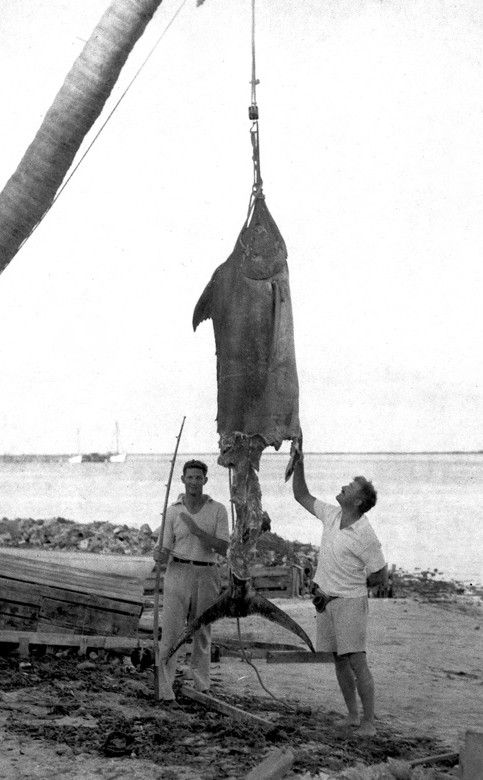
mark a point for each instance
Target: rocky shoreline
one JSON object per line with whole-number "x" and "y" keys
{"x": 62, "y": 534}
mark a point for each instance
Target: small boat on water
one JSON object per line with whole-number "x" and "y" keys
{"x": 117, "y": 457}
{"x": 91, "y": 457}
{"x": 114, "y": 456}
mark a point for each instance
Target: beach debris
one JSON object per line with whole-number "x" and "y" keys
{"x": 118, "y": 743}
{"x": 274, "y": 766}
{"x": 393, "y": 769}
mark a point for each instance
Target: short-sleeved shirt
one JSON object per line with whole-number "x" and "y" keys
{"x": 212, "y": 518}
{"x": 348, "y": 555}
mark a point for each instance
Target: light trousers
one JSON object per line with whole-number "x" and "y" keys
{"x": 188, "y": 591}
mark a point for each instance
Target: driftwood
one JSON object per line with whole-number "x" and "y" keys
{"x": 275, "y": 766}
{"x": 236, "y": 713}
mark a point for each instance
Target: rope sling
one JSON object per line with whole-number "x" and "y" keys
{"x": 257, "y": 188}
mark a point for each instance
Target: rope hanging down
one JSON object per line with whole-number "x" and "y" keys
{"x": 257, "y": 189}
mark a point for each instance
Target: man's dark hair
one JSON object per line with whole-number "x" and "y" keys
{"x": 368, "y": 494}
{"x": 195, "y": 464}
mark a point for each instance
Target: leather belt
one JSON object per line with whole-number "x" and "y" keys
{"x": 194, "y": 563}
{"x": 321, "y": 600}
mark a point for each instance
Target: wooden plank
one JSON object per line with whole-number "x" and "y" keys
{"x": 34, "y": 579}
{"x": 234, "y": 643}
{"x": 88, "y": 619}
{"x": 53, "y": 609}
{"x": 258, "y": 570}
{"x": 252, "y": 652}
{"x": 18, "y": 610}
{"x": 227, "y": 709}
{"x": 70, "y": 578}
{"x": 72, "y": 567}
{"x": 53, "y": 628}
{"x": 31, "y": 593}
{"x": 137, "y": 566}
{"x": 273, "y": 767}
{"x": 92, "y": 623}
{"x": 19, "y": 624}
{"x": 16, "y": 614}
{"x": 271, "y": 583}
{"x": 127, "y": 629}
{"x": 302, "y": 657}
{"x": 57, "y": 571}
{"x": 34, "y": 638}
{"x": 275, "y": 594}
{"x": 436, "y": 759}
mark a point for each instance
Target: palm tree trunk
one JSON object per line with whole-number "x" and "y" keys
{"x": 30, "y": 191}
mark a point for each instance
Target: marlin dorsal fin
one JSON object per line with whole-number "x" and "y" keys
{"x": 204, "y": 307}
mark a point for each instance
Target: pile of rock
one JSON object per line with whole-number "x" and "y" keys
{"x": 61, "y": 534}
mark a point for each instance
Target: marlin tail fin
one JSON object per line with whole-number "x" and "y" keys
{"x": 240, "y": 600}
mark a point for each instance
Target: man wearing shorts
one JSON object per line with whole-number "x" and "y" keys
{"x": 350, "y": 561}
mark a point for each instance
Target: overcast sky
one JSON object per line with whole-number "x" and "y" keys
{"x": 371, "y": 126}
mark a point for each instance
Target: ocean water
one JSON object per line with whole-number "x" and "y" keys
{"x": 429, "y": 513}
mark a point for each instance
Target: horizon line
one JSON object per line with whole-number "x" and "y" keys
{"x": 215, "y": 452}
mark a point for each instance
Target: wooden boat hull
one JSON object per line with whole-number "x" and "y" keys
{"x": 72, "y": 593}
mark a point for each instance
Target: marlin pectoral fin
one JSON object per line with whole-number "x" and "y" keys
{"x": 237, "y": 602}
{"x": 204, "y": 307}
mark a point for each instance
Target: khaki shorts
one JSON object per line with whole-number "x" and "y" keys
{"x": 342, "y": 627}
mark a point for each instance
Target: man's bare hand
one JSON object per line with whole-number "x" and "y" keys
{"x": 160, "y": 554}
{"x": 296, "y": 456}
{"x": 187, "y": 520}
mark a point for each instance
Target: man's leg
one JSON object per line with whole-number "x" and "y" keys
{"x": 350, "y": 621}
{"x": 176, "y": 590}
{"x": 205, "y": 592}
{"x": 365, "y": 688}
{"x": 347, "y": 684}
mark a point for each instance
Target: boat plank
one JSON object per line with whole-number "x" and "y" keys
{"x": 49, "y": 639}
{"x": 53, "y": 568}
{"x": 32, "y": 592}
{"x": 69, "y": 578}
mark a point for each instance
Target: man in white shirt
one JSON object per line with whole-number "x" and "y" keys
{"x": 350, "y": 561}
{"x": 196, "y": 532}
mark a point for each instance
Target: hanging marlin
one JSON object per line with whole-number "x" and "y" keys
{"x": 248, "y": 300}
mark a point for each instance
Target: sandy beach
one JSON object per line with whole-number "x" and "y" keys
{"x": 427, "y": 660}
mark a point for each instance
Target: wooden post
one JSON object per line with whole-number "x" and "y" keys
{"x": 23, "y": 646}
{"x": 82, "y": 646}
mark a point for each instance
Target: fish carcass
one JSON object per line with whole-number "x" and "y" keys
{"x": 248, "y": 300}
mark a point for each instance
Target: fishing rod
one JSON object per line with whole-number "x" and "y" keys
{"x": 158, "y": 571}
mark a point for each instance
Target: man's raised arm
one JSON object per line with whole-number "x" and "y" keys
{"x": 299, "y": 485}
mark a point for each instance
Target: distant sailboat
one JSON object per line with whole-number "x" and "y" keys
{"x": 77, "y": 458}
{"x": 117, "y": 456}
{"x": 99, "y": 457}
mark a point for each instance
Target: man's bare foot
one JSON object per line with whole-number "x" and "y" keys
{"x": 351, "y": 720}
{"x": 367, "y": 728}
